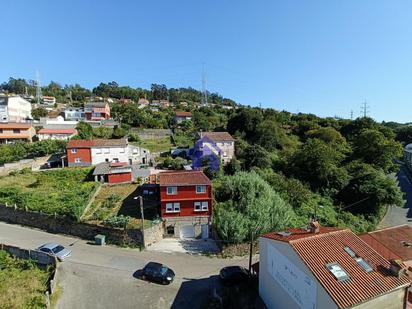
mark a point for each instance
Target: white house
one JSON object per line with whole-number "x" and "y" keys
{"x": 326, "y": 268}
{"x": 74, "y": 113}
{"x": 56, "y": 134}
{"x": 14, "y": 109}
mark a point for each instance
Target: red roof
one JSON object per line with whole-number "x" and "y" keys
{"x": 57, "y": 131}
{"x": 118, "y": 164}
{"x": 184, "y": 114}
{"x": 15, "y": 125}
{"x": 298, "y": 233}
{"x": 81, "y": 143}
{"x": 183, "y": 178}
{"x": 318, "y": 249}
{"x": 393, "y": 242}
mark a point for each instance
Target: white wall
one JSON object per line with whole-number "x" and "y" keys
{"x": 272, "y": 293}
{"x": 123, "y": 154}
{"x": 17, "y": 110}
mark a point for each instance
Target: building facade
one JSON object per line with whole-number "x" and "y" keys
{"x": 56, "y": 134}
{"x": 47, "y": 100}
{"x": 186, "y": 203}
{"x": 97, "y": 111}
{"x": 326, "y": 268}
{"x": 92, "y": 152}
{"x": 182, "y": 116}
{"x": 74, "y": 113}
{"x": 112, "y": 173}
{"x": 215, "y": 147}
{"x": 14, "y": 109}
{"x": 12, "y": 131}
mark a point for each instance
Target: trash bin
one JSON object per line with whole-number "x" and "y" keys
{"x": 100, "y": 240}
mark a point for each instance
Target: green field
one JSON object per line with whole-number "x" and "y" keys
{"x": 156, "y": 145}
{"x": 118, "y": 200}
{"x": 22, "y": 283}
{"x": 63, "y": 191}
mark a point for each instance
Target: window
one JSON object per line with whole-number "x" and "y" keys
{"x": 106, "y": 150}
{"x": 16, "y": 131}
{"x": 201, "y": 206}
{"x": 98, "y": 151}
{"x": 116, "y": 160}
{"x": 171, "y": 190}
{"x": 337, "y": 271}
{"x": 77, "y": 160}
{"x": 172, "y": 207}
{"x": 365, "y": 266}
{"x": 200, "y": 189}
{"x": 1, "y": 131}
{"x": 350, "y": 252}
{"x": 74, "y": 150}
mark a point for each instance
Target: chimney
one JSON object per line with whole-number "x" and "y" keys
{"x": 397, "y": 268}
{"x": 314, "y": 227}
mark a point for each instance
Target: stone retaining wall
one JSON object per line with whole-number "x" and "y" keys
{"x": 33, "y": 164}
{"x": 63, "y": 225}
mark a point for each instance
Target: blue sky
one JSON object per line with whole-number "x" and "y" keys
{"x": 324, "y": 57}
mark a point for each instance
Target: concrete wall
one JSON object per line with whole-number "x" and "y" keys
{"x": 33, "y": 164}
{"x": 153, "y": 234}
{"x": 273, "y": 294}
{"x": 41, "y": 258}
{"x": 197, "y": 222}
{"x": 393, "y": 300}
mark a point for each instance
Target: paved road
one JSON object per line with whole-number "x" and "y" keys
{"x": 102, "y": 277}
{"x": 397, "y": 215}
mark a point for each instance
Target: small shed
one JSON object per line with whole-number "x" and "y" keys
{"x": 113, "y": 172}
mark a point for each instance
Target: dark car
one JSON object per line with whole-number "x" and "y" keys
{"x": 234, "y": 274}
{"x": 157, "y": 272}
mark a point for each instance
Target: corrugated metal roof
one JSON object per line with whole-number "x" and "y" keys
{"x": 182, "y": 178}
{"x": 317, "y": 250}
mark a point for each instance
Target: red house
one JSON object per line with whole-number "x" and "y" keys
{"x": 114, "y": 172}
{"x": 97, "y": 111}
{"x": 186, "y": 203}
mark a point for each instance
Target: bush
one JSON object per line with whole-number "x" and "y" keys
{"x": 118, "y": 221}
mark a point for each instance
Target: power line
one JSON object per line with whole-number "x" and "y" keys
{"x": 365, "y": 109}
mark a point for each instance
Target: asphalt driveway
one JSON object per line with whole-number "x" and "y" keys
{"x": 102, "y": 277}
{"x": 189, "y": 246}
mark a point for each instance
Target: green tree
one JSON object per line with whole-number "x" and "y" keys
{"x": 372, "y": 147}
{"x": 37, "y": 113}
{"x": 84, "y": 130}
{"x": 253, "y": 206}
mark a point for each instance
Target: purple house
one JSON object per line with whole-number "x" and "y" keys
{"x": 212, "y": 149}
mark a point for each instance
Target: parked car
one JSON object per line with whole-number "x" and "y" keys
{"x": 60, "y": 252}
{"x": 234, "y": 274}
{"x": 157, "y": 272}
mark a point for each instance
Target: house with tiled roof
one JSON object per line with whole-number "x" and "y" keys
{"x": 215, "y": 147}
{"x": 182, "y": 116}
{"x": 92, "y": 152}
{"x": 97, "y": 111}
{"x": 56, "y": 133}
{"x": 11, "y": 132}
{"x": 321, "y": 267}
{"x": 185, "y": 203}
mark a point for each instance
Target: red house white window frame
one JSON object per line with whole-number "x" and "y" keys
{"x": 172, "y": 207}
{"x": 201, "y": 206}
{"x": 172, "y": 191}
{"x": 200, "y": 189}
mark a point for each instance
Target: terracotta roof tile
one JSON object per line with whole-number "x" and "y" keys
{"x": 57, "y": 131}
{"x": 219, "y": 136}
{"x": 298, "y": 233}
{"x": 15, "y": 125}
{"x": 184, "y": 114}
{"x": 182, "y": 178}
{"x": 80, "y": 143}
{"x": 393, "y": 241}
{"x": 317, "y": 250}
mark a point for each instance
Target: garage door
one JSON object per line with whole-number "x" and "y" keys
{"x": 187, "y": 231}
{"x": 205, "y": 231}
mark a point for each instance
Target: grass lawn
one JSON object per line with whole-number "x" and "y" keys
{"x": 62, "y": 191}
{"x": 23, "y": 284}
{"x": 156, "y": 145}
{"x": 118, "y": 200}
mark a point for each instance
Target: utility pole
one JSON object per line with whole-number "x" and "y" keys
{"x": 365, "y": 109}
{"x": 250, "y": 251}
{"x": 204, "y": 91}
{"x": 140, "y": 198}
{"x": 38, "y": 88}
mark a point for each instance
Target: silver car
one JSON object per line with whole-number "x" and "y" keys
{"x": 56, "y": 250}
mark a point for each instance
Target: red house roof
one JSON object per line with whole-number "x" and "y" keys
{"x": 184, "y": 114}
{"x": 393, "y": 242}
{"x": 328, "y": 246}
{"x": 81, "y": 143}
{"x": 183, "y": 178}
{"x": 14, "y": 125}
{"x": 57, "y": 131}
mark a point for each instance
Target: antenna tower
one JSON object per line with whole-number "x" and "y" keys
{"x": 38, "y": 88}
